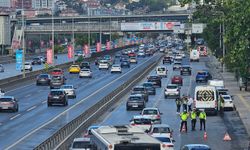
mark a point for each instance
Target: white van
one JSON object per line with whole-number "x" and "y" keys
{"x": 217, "y": 83}
{"x": 194, "y": 55}
{"x": 205, "y": 97}
{"x": 161, "y": 71}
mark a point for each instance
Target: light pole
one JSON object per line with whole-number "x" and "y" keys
{"x": 53, "y": 34}
{"x": 88, "y": 29}
{"x": 23, "y": 44}
{"x": 73, "y": 39}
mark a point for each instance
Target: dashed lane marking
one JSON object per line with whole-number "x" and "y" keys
{"x": 27, "y": 95}
{"x": 31, "y": 108}
{"x": 15, "y": 116}
{"x": 44, "y": 102}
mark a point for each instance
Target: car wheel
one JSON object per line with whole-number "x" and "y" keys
{"x": 165, "y": 96}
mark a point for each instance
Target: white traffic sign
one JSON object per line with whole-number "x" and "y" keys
{"x": 197, "y": 28}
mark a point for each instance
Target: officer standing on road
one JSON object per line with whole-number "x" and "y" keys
{"x": 193, "y": 118}
{"x": 184, "y": 117}
{"x": 202, "y": 117}
{"x": 184, "y": 102}
{"x": 178, "y": 105}
{"x": 221, "y": 102}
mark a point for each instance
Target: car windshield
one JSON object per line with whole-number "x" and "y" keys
{"x": 150, "y": 112}
{"x": 56, "y": 77}
{"x": 201, "y": 73}
{"x": 56, "y": 92}
{"x": 147, "y": 84}
{"x": 74, "y": 66}
{"x": 142, "y": 121}
{"x": 161, "y": 69}
{"x": 177, "y": 63}
{"x": 85, "y": 70}
{"x": 57, "y": 70}
{"x": 27, "y": 64}
{"x": 171, "y": 87}
{"x": 226, "y": 97}
{"x": 82, "y": 144}
{"x": 67, "y": 87}
{"x": 5, "y": 99}
{"x": 164, "y": 139}
{"x": 43, "y": 76}
{"x": 161, "y": 130}
{"x": 134, "y": 98}
{"x": 138, "y": 89}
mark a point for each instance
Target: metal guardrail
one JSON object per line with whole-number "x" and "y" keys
{"x": 63, "y": 137}
{"x": 32, "y": 75}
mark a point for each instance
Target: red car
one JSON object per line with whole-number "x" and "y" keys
{"x": 132, "y": 54}
{"x": 177, "y": 80}
{"x": 57, "y": 71}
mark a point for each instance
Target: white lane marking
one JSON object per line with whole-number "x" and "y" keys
{"x": 62, "y": 113}
{"x": 44, "y": 102}
{"x": 27, "y": 95}
{"x": 31, "y": 108}
{"x": 20, "y": 87}
{"x": 1, "y": 123}
{"x": 15, "y": 116}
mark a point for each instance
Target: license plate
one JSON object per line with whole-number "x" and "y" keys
{"x": 5, "y": 107}
{"x": 135, "y": 106}
{"x": 56, "y": 96}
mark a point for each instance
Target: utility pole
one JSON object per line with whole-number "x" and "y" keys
{"x": 88, "y": 29}
{"x": 23, "y": 44}
{"x": 73, "y": 40}
{"x": 53, "y": 34}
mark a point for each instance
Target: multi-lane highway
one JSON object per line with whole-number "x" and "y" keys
{"x": 10, "y": 69}
{"x": 217, "y": 126}
{"x": 35, "y": 122}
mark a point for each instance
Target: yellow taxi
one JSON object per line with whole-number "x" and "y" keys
{"x": 74, "y": 69}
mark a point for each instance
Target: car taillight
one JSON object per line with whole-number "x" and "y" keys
{"x": 164, "y": 145}
{"x": 170, "y": 145}
{"x": 158, "y": 116}
{"x": 133, "y": 124}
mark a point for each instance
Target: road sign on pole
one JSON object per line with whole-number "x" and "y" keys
{"x": 19, "y": 59}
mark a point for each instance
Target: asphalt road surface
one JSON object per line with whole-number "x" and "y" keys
{"x": 35, "y": 122}
{"x": 217, "y": 126}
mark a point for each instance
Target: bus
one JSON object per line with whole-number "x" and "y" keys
{"x": 206, "y": 97}
{"x": 124, "y": 137}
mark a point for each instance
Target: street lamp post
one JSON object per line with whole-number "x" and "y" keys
{"x": 53, "y": 34}
{"x": 88, "y": 29}
{"x": 73, "y": 39}
{"x": 23, "y": 44}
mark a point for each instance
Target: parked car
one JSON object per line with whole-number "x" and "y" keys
{"x": 8, "y": 103}
{"x": 228, "y": 102}
{"x": 186, "y": 69}
{"x": 85, "y": 72}
{"x": 57, "y": 96}
{"x": 43, "y": 79}
{"x": 1, "y": 68}
{"x": 70, "y": 90}
{"x": 155, "y": 79}
{"x": 36, "y": 61}
{"x": 176, "y": 79}
{"x": 135, "y": 101}
{"x": 149, "y": 87}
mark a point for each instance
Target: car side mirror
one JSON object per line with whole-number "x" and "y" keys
{"x": 173, "y": 140}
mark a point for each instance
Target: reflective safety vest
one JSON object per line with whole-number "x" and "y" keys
{"x": 202, "y": 115}
{"x": 184, "y": 116}
{"x": 193, "y": 115}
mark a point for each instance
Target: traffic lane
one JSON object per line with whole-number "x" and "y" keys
{"x": 80, "y": 106}
{"x": 31, "y": 97}
{"x": 10, "y": 69}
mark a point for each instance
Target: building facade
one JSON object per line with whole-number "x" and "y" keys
{"x": 38, "y": 4}
{"x": 5, "y": 3}
{"x": 5, "y": 31}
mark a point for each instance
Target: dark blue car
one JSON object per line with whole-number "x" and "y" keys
{"x": 203, "y": 76}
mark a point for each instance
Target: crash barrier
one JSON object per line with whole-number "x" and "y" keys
{"x": 32, "y": 75}
{"x": 64, "y": 137}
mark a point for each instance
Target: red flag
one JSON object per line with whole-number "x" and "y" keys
{"x": 98, "y": 47}
{"x": 108, "y": 45}
{"x": 70, "y": 52}
{"x": 86, "y": 49}
{"x": 49, "y": 56}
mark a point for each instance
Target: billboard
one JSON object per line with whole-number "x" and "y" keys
{"x": 19, "y": 59}
{"x": 49, "y": 56}
{"x": 148, "y": 26}
{"x": 70, "y": 51}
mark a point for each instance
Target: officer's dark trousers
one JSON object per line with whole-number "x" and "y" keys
{"x": 183, "y": 123}
{"x": 202, "y": 122}
{"x": 178, "y": 108}
{"x": 193, "y": 123}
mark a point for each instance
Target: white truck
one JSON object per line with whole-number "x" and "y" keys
{"x": 194, "y": 55}
{"x": 205, "y": 97}
{"x": 217, "y": 83}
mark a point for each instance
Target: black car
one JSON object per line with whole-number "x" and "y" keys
{"x": 36, "y": 60}
{"x": 186, "y": 70}
{"x": 57, "y": 81}
{"x": 167, "y": 59}
{"x": 135, "y": 101}
{"x": 140, "y": 90}
{"x": 125, "y": 63}
{"x": 149, "y": 87}
{"x": 156, "y": 80}
{"x": 85, "y": 64}
{"x": 43, "y": 79}
{"x": 57, "y": 96}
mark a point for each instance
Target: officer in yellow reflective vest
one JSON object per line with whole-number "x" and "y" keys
{"x": 184, "y": 117}
{"x": 193, "y": 117}
{"x": 202, "y": 117}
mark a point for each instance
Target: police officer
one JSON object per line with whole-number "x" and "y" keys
{"x": 184, "y": 117}
{"x": 193, "y": 118}
{"x": 184, "y": 102}
{"x": 178, "y": 105}
{"x": 202, "y": 117}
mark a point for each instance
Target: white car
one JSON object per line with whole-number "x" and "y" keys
{"x": 141, "y": 54}
{"x": 228, "y": 102}
{"x": 153, "y": 113}
{"x": 133, "y": 60}
{"x": 103, "y": 64}
{"x": 27, "y": 66}
{"x": 85, "y": 72}
{"x": 161, "y": 130}
{"x": 143, "y": 122}
{"x": 172, "y": 90}
{"x": 116, "y": 68}
{"x": 81, "y": 144}
{"x": 69, "y": 90}
{"x": 168, "y": 142}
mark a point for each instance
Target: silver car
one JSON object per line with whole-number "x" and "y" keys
{"x": 1, "y": 68}
{"x": 8, "y": 103}
{"x": 69, "y": 90}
